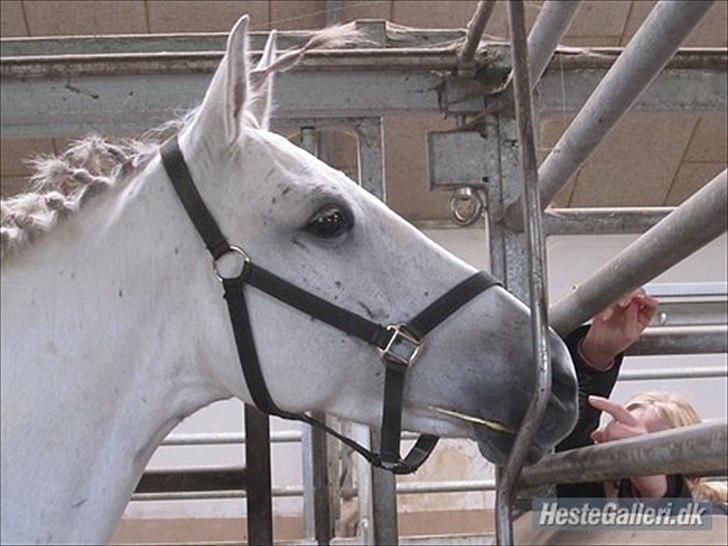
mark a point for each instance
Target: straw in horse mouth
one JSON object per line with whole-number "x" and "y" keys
{"x": 493, "y": 425}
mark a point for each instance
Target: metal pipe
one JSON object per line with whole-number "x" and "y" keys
{"x": 690, "y": 226}
{"x": 284, "y": 491}
{"x": 258, "y": 476}
{"x": 476, "y": 27}
{"x": 688, "y": 290}
{"x": 671, "y": 340}
{"x": 462, "y": 486}
{"x": 226, "y": 438}
{"x": 408, "y": 488}
{"x": 667, "y": 25}
{"x": 236, "y": 438}
{"x": 552, "y": 23}
{"x": 693, "y": 450}
{"x": 602, "y": 221}
{"x": 537, "y": 277}
{"x": 703, "y": 372}
{"x": 317, "y": 518}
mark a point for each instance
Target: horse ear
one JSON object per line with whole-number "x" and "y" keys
{"x": 225, "y": 97}
{"x": 261, "y": 101}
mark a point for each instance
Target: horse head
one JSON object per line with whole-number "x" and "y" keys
{"x": 319, "y": 230}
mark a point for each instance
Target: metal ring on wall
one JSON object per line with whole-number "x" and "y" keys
{"x": 466, "y": 206}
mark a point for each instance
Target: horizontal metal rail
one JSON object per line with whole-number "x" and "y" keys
{"x": 681, "y": 340}
{"x": 178, "y": 492}
{"x": 602, "y": 221}
{"x": 237, "y": 438}
{"x": 689, "y": 227}
{"x": 694, "y": 451}
{"x": 68, "y": 95}
{"x": 285, "y": 491}
{"x": 192, "y": 480}
{"x": 700, "y": 372}
{"x": 226, "y": 438}
{"x": 688, "y": 289}
{"x": 215, "y": 41}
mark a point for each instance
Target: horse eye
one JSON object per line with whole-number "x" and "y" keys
{"x": 329, "y": 222}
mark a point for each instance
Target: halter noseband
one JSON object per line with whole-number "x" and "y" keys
{"x": 398, "y": 344}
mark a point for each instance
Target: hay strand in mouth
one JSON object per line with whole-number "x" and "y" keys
{"x": 493, "y": 425}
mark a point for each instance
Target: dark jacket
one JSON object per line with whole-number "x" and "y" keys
{"x": 594, "y": 382}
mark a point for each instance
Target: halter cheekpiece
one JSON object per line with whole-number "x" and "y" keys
{"x": 398, "y": 344}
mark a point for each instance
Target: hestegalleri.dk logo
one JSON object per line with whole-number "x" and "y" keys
{"x": 622, "y": 513}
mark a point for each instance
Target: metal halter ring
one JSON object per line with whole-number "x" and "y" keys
{"x": 237, "y": 250}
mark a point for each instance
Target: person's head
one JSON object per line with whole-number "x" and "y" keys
{"x": 660, "y": 410}
{"x": 663, "y": 410}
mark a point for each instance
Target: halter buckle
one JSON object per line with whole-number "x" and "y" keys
{"x": 402, "y": 348}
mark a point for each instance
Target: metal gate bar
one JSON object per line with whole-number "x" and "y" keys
{"x": 257, "y": 462}
{"x": 689, "y": 227}
{"x": 537, "y": 277}
{"x": 551, "y": 24}
{"x": 316, "y": 502}
{"x": 476, "y": 27}
{"x": 691, "y": 450}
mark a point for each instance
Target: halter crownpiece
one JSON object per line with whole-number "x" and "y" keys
{"x": 399, "y": 344}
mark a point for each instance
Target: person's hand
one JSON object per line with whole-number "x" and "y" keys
{"x": 627, "y": 425}
{"x": 617, "y": 327}
{"x": 623, "y": 425}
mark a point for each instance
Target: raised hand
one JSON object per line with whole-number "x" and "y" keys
{"x": 617, "y": 327}
{"x": 625, "y": 424}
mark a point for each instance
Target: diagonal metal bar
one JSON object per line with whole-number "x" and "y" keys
{"x": 476, "y": 27}
{"x": 552, "y": 23}
{"x": 508, "y": 478}
{"x": 689, "y": 227}
{"x": 666, "y": 27}
{"x": 691, "y": 450}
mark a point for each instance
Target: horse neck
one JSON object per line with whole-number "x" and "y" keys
{"x": 97, "y": 361}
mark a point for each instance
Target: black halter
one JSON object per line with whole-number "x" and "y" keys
{"x": 398, "y": 344}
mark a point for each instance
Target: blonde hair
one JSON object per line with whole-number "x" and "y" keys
{"x": 674, "y": 411}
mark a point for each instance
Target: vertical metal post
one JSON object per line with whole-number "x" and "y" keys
{"x": 382, "y": 505}
{"x": 365, "y": 529}
{"x": 257, "y": 463}
{"x": 537, "y": 279}
{"x": 384, "y": 502}
{"x": 370, "y": 156}
{"x": 318, "y": 523}
{"x": 508, "y": 259}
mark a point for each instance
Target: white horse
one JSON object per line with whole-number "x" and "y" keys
{"x": 114, "y": 330}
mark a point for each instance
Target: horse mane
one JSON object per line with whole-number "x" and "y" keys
{"x": 61, "y": 184}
